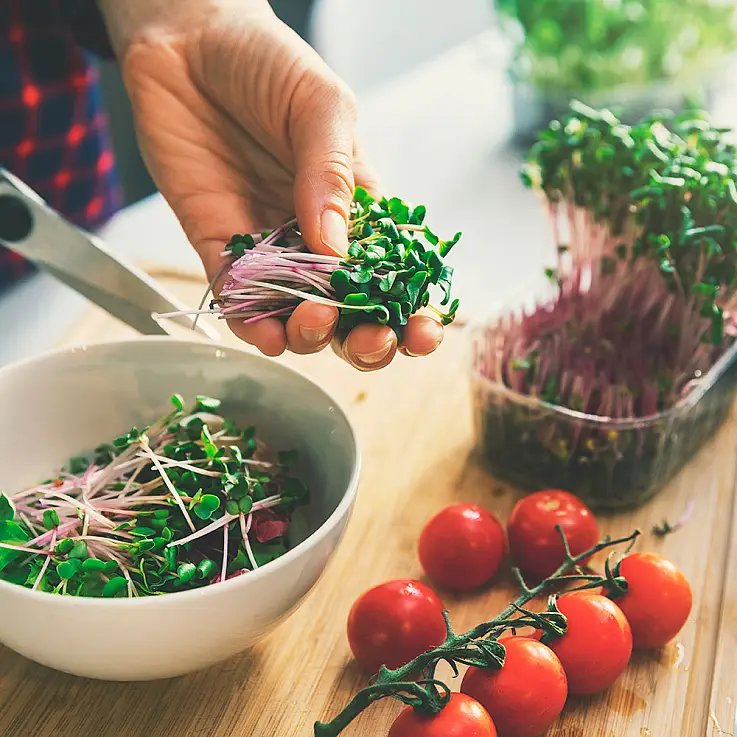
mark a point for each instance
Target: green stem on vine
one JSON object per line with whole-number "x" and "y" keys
{"x": 479, "y": 646}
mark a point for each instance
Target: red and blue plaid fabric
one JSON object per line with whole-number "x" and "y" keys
{"x": 53, "y": 129}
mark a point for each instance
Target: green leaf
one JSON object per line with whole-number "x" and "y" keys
{"x": 415, "y": 287}
{"x": 78, "y": 464}
{"x": 398, "y": 210}
{"x": 444, "y": 247}
{"x": 64, "y": 545}
{"x": 206, "y": 569}
{"x": 66, "y": 569}
{"x": 356, "y": 250}
{"x": 211, "y": 450}
{"x": 50, "y": 519}
{"x": 361, "y": 275}
{"x": 430, "y": 236}
{"x": 208, "y": 404}
{"x": 79, "y": 550}
{"x": 361, "y": 196}
{"x": 93, "y": 565}
{"x": 115, "y": 587}
{"x": 11, "y": 533}
{"x": 341, "y": 284}
{"x": 418, "y": 215}
{"x": 387, "y": 282}
{"x": 7, "y": 509}
{"x": 356, "y": 300}
{"x": 206, "y": 506}
{"x": 177, "y": 401}
{"x": 187, "y": 572}
{"x": 245, "y": 504}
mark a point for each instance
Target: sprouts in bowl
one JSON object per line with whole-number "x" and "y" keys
{"x": 75, "y": 401}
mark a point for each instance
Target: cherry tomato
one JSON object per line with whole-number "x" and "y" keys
{"x": 534, "y": 543}
{"x": 597, "y": 645}
{"x": 658, "y": 599}
{"x": 462, "y": 547}
{"x": 526, "y": 696}
{"x": 462, "y": 717}
{"x": 393, "y": 623}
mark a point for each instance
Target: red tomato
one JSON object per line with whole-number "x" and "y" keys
{"x": 658, "y": 599}
{"x": 526, "y": 696}
{"x": 462, "y": 717}
{"x": 597, "y": 645}
{"x": 393, "y": 623}
{"x": 534, "y": 543}
{"x": 462, "y": 547}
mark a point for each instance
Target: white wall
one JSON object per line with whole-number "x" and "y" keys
{"x": 369, "y": 41}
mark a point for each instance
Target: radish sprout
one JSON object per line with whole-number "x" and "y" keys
{"x": 152, "y": 512}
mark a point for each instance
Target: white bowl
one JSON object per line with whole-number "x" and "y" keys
{"x": 69, "y": 401}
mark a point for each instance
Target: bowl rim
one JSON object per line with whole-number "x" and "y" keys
{"x": 342, "y": 509}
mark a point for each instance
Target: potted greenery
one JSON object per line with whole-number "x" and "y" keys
{"x": 632, "y": 55}
{"x": 612, "y": 381}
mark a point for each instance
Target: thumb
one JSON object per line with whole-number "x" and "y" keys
{"x": 322, "y": 127}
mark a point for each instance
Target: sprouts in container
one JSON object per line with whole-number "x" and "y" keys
{"x": 608, "y": 385}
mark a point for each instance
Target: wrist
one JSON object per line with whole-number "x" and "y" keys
{"x": 132, "y": 20}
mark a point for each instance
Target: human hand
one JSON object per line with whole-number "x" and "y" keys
{"x": 242, "y": 125}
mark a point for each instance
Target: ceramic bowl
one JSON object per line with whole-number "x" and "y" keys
{"x": 67, "y": 402}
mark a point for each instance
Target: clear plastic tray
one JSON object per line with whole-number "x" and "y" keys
{"x": 609, "y": 463}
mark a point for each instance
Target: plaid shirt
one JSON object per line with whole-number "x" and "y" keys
{"x": 53, "y": 129}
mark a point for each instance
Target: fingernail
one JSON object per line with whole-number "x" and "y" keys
{"x": 334, "y": 231}
{"x": 316, "y": 336}
{"x": 376, "y": 357}
{"x": 433, "y": 331}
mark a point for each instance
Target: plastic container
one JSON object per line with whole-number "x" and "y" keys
{"x": 608, "y": 463}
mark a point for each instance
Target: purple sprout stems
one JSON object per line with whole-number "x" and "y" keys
{"x": 613, "y": 341}
{"x": 91, "y": 506}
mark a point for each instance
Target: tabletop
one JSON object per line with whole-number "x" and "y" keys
{"x": 304, "y": 671}
{"x": 451, "y": 154}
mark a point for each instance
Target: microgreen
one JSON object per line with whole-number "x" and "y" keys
{"x": 119, "y": 525}
{"x": 640, "y": 306}
{"x": 393, "y": 262}
{"x": 581, "y": 46}
{"x": 645, "y": 287}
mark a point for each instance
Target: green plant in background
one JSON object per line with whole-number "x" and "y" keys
{"x": 643, "y": 306}
{"x": 580, "y": 47}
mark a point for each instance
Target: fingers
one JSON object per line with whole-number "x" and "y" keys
{"x": 268, "y": 335}
{"x": 372, "y": 347}
{"x": 322, "y": 126}
{"x": 368, "y": 347}
{"x": 311, "y": 327}
{"x": 422, "y": 336}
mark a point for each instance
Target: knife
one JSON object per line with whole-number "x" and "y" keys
{"x": 83, "y": 262}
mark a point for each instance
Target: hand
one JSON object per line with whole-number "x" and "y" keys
{"x": 241, "y": 125}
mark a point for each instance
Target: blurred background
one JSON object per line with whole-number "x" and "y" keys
{"x": 632, "y": 54}
{"x": 450, "y": 95}
{"x": 423, "y": 29}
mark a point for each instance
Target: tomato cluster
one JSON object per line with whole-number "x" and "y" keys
{"x": 462, "y": 548}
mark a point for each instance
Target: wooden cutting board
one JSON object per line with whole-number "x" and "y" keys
{"x": 414, "y": 424}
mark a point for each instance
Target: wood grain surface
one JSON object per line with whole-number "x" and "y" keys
{"x": 414, "y": 424}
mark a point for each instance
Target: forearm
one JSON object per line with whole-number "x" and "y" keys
{"x": 128, "y": 20}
